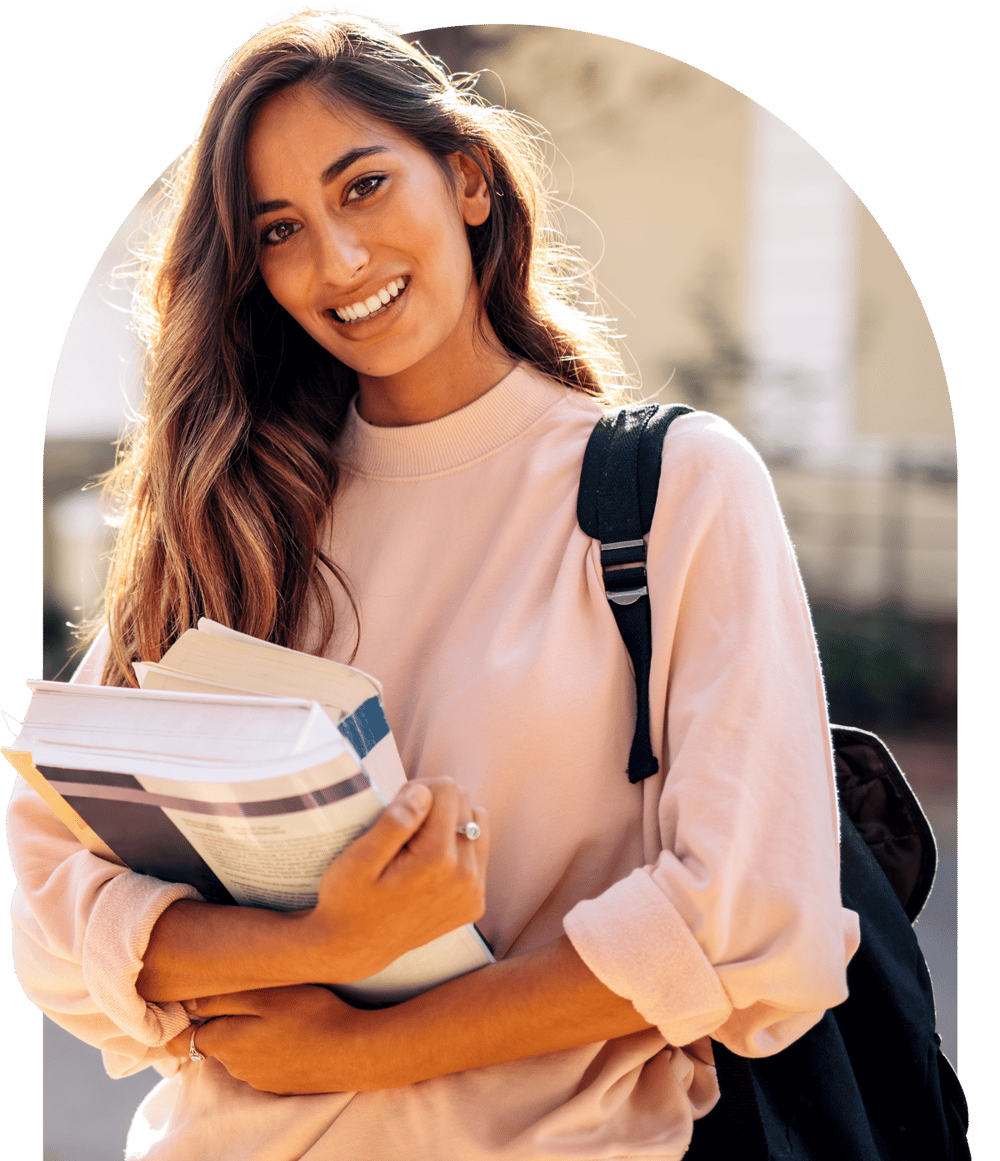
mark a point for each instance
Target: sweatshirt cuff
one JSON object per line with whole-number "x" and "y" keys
{"x": 636, "y": 943}
{"x": 118, "y": 932}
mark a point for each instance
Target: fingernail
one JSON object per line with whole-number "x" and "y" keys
{"x": 190, "y": 1006}
{"x": 418, "y": 795}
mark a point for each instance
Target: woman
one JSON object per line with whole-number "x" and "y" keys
{"x": 368, "y": 400}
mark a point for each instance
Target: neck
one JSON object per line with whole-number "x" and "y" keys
{"x": 443, "y": 382}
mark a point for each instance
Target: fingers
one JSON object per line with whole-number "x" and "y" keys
{"x": 181, "y": 1044}
{"x": 473, "y": 855}
{"x": 258, "y": 1002}
{"x": 393, "y": 829}
{"x": 409, "y": 879}
{"x": 462, "y": 860}
{"x": 438, "y": 837}
{"x": 479, "y": 849}
{"x": 231, "y": 1004}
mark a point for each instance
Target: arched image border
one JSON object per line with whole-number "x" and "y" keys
{"x": 98, "y": 95}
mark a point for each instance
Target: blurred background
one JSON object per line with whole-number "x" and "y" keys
{"x": 746, "y": 279}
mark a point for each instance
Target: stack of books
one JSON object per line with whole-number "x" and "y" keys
{"x": 238, "y": 766}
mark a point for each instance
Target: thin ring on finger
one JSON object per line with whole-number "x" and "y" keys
{"x": 193, "y": 1053}
{"x": 469, "y": 830}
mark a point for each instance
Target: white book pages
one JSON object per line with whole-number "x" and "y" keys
{"x": 218, "y": 653}
{"x": 381, "y": 761}
{"x": 445, "y": 958}
{"x": 209, "y": 779}
{"x": 197, "y": 724}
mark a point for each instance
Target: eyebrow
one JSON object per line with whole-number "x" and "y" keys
{"x": 331, "y": 173}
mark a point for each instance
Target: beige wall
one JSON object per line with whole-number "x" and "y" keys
{"x": 652, "y": 151}
{"x": 900, "y": 385}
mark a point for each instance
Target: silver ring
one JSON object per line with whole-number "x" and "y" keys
{"x": 193, "y": 1053}
{"x": 470, "y": 830}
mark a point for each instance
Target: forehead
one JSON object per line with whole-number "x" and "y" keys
{"x": 297, "y": 133}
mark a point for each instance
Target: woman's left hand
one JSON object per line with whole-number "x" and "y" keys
{"x": 301, "y": 1039}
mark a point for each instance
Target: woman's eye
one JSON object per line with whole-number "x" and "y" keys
{"x": 364, "y": 187}
{"x": 279, "y": 232}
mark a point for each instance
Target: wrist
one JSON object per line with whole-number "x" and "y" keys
{"x": 375, "y": 1043}
{"x": 321, "y": 954}
{"x": 349, "y": 1050}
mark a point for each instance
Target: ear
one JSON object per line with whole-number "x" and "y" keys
{"x": 472, "y": 189}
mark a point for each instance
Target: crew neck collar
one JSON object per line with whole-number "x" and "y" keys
{"x": 477, "y": 430}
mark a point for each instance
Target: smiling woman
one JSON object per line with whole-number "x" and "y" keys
{"x": 368, "y": 394}
{"x": 369, "y": 254}
{"x": 239, "y": 343}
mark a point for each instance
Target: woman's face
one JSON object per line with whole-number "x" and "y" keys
{"x": 363, "y": 242}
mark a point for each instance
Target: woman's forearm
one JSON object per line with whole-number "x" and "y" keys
{"x": 196, "y": 948}
{"x": 305, "y": 1040}
{"x": 540, "y": 1002}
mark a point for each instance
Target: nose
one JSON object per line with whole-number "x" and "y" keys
{"x": 341, "y": 255}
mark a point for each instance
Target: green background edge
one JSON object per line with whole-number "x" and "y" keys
{"x": 893, "y": 94}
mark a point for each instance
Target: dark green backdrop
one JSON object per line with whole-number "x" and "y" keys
{"x": 893, "y": 94}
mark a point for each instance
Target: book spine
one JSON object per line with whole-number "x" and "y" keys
{"x": 366, "y": 727}
{"x": 367, "y": 731}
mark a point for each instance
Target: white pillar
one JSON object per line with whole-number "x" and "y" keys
{"x": 801, "y": 298}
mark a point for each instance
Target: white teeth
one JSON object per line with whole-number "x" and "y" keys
{"x": 372, "y": 304}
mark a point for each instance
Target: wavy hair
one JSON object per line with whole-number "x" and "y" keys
{"x": 224, "y": 489}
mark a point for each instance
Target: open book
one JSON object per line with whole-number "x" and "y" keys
{"x": 246, "y": 797}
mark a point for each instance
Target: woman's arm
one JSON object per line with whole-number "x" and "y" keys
{"x": 305, "y": 1040}
{"x": 406, "y": 881}
{"x": 82, "y": 927}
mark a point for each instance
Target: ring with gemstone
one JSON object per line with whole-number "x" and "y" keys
{"x": 470, "y": 831}
{"x": 193, "y": 1053}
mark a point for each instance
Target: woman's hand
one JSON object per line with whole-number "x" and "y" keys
{"x": 282, "y": 1040}
{"x": 406, "y": 881}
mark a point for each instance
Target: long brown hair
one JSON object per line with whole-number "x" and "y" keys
{"x": 224, "y": 489}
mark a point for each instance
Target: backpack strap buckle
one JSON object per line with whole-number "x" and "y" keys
{"x": 623, "y": 564}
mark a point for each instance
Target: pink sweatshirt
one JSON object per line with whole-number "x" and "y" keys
{"x": 709, "y": 898}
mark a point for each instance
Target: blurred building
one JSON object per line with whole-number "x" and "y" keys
{"x": 746, "y": 278}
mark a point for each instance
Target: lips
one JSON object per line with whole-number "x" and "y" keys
{"x": 372, "y": 305}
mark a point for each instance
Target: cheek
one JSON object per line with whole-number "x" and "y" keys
{"x": 283, "y": 283}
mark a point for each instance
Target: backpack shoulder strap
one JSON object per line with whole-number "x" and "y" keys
{"x": 618, "y": 486}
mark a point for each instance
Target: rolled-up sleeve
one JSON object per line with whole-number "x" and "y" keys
{"x": 80, "y": 928}
{"x": 735, "y": 928}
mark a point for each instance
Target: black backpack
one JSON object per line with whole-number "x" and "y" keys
{"x": 869, "y": 1082}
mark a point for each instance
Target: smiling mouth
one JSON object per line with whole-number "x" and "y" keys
{"x": 368, "y": 307}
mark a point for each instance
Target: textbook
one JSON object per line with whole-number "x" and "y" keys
{"x": 213, "y": 658}
{"x": 245, "y": 797}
